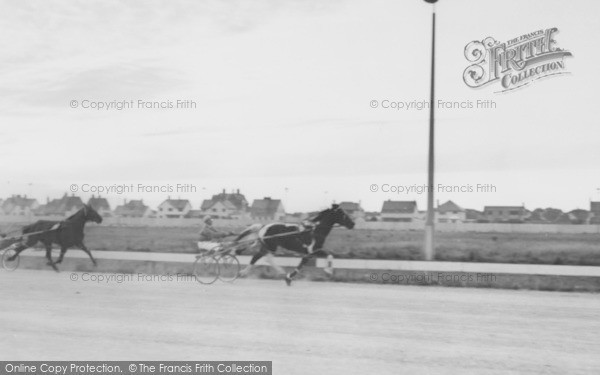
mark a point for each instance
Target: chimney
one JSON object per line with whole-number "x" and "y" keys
{"x": 223, "y": 191}
{"x": 47, "y": 200}
{"x": 238, "y": 191}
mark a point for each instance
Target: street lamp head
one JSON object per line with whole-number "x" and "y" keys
{"x": 431, "y": 1}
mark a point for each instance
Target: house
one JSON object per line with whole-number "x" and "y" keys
{"x": 225, "y": 205}
{"x": 579, "y": 216}
{"x": 65, "y": 206}
{"x": 18, "y": 205}
{"x": 219, "y": 209}
{"x": 174, "y": 208}
{"x": 403, "y": 211}
{"x": 353, "y": 209}
{"x": 505, "y": 214}
{"x": 267, "y": 209}
{"x": 450, "y": 212}
{"x": 101, "y": 205}
{"x": 133, "y": 208}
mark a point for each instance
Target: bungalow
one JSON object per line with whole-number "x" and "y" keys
{"x": 174, "y": 208}
{"x": 18, "y": 205}
{"x": 353, "y": 209}
{"x": 450, "y": 212}
{"x": 267, "y": 209}
{"x": 505, "y": 214}
{"x": 402, "y": 211}
{"x": 133, "y": 208}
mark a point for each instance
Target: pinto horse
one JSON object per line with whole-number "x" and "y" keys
{"x": 66, "y": 234}
{"x": 305, "y": 239}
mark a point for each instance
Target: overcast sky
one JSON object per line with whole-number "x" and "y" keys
{"x": 283, "y": 92}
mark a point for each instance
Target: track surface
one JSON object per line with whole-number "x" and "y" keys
{"x": 320, "y": 328}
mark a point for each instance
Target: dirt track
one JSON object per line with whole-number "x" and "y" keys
{"x": 325, "y": 328}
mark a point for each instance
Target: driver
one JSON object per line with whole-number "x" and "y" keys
{"x": 209, "y": 235}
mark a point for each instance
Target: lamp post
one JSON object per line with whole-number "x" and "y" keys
{"x": 429, "y": 245}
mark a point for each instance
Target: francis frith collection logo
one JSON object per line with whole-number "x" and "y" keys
{"x": 515, "y": 63}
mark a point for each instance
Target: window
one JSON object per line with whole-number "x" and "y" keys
{"x": 514, "y": 212}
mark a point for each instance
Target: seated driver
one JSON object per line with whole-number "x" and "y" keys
{"x": 209, "y": 236}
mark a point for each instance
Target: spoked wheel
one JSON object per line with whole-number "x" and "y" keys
{"x": 206, "y": 270}
{"x": 10, "y": 265}
{"x": 229, "y": 268}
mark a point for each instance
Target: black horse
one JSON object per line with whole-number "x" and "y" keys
{"x": 307, "y": 239}
{"x": 66, "y": 234}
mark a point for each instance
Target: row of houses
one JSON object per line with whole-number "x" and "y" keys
{"x": 221, "y": 206}
{"x": 450, "y": 212}
{"x": 234, "y": 205}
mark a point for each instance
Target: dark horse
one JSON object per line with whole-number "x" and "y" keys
{"x": 67, "y": 233}
{"x": 307, "y": 239}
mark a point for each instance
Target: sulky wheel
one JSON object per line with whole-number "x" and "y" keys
{"x": 206, "y": 270}
{"x": 7, "y": 263}
{"x": 229, "y": 268}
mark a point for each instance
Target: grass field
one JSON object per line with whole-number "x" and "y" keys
{"x": 579, "y": 249}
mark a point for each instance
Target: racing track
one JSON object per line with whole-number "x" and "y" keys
{"x": 321, "y": 328}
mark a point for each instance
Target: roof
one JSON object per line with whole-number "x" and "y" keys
{"x": 179, "y": 204}
{"x": 350, "y": 206}
{"x": 237, "y": 199}
{"x": 265, "y": 206}
{"x": 98, "y": 203}
{"x": 449, "y": 207}
{"x": 580, "y": 214}
{"x": 208, "y": 204}
{"x": 473, "y": 214}
{"x": 405, "y": 207}
{"x": 233, "y": 201}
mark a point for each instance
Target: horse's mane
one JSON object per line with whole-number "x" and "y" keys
{"x": 73, "y": 216}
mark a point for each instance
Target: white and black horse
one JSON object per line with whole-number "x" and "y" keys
{"x": 67, "y": 233}
{"x": 305, "y": 239}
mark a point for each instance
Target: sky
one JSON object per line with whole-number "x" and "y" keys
{"x": 282, "y": 93}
